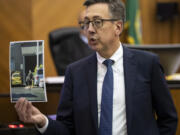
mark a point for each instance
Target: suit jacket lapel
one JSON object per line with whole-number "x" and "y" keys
{"x": 129, "y": 77}
{"x": 92, "y": 88}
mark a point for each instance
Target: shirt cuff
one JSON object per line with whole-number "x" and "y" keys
{"x": 43, "y": 129}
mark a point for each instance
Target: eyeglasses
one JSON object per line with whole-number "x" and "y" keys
{"x": 81, "y": 24}
{"x": 96, "y": 23}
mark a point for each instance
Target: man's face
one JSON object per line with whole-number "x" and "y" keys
{"x": 102, "y": 38}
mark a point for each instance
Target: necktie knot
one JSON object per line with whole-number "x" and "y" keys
{"x": 108, "y": 62}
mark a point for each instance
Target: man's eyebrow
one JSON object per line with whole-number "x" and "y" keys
{"x": 94, "y": 17}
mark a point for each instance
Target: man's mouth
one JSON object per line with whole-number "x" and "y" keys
{"x": 92, "y": 41}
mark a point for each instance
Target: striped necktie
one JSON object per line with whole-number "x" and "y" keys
{"x": 105, "y": 127}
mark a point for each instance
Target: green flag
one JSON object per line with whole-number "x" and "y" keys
{"x": 133, "y": 24}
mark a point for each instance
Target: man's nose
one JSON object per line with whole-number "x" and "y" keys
{"x": 91, "y": 28}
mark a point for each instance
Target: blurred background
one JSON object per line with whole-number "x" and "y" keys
{"x": 157, "y": 21}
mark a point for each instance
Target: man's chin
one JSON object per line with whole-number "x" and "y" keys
{"x": 94, "y": 47}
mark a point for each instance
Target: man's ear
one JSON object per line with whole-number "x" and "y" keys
{"x": 119, "y": 27}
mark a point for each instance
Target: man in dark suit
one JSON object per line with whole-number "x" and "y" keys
{"x": 136, "y": 88}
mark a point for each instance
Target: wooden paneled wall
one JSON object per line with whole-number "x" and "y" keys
{"x": 15, "y": 24}
{"x": 154, "y": 31}
{"x": 32, "y": 20}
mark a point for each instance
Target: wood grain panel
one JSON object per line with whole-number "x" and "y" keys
{"x": 176, "y": 28}
{"x": 32, "y": 20}
{"x": 154, "y": 31}
{"x": 15, "y": 24}
{"x": 165, "y": 30}
{"x": 47, "y": 16}
{"x": 148, "y": 20}
{"x": 176, "y": 98}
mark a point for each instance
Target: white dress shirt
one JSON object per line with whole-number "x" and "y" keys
{"x": 119, "y": 108}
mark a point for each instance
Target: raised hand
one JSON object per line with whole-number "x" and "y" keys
{"x": 28, "y": 113}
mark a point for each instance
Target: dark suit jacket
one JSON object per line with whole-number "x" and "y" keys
{"x": 146, "y": 94}
{"x": 69, "y": 50}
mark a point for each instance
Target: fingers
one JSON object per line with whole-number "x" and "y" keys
{"x": 29, "y": 110}
{"x": 22, "y": 107}
{"x": 19, "y": 105}
{"x": 28, "y": 113}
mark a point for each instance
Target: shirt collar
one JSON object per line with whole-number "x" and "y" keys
{"x": 115, "y": 57}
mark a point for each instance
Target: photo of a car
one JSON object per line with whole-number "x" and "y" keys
{"x": 16, "y": 78}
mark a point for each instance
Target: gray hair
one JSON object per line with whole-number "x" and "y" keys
{"x": 116, "y": 7}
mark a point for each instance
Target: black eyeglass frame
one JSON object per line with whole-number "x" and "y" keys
{"x": 85, "y": 25}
